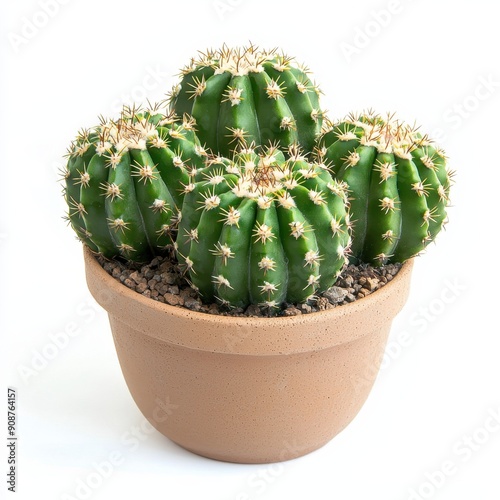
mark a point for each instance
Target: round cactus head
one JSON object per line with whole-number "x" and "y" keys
{"x": 398, "y": 184}
{"x": 246, "y": 96}
{"x": 263, "y": 229}
{"x": 123, "y": 179}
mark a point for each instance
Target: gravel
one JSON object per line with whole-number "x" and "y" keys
{"x": 162, "y": 280}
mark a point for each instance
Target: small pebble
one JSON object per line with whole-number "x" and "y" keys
{"x": 173, "y": 300}
{"x": 168, "y": 278}
{"x": 187, "y": 292}
{"x": 148, "y": 274}
{"x": 335, "y": 294}
{"x": 192, "y": 303}
{"x": 155, "y": 261}
{"x": 304, "y": 308}
{"x": 253, "y": 310}
{"x": 348, "y": 281}
{"x": 291, "y": 311}
{"x": 322, "y": 303}
{"x": 128, "y": 282}
{"x": 135, "y": 276}
{"x": 213, "y": 309}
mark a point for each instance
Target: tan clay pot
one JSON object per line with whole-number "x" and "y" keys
{"x": 248, "y": 390}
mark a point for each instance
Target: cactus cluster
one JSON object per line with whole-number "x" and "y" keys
{"x": 262, "y": 202}
{"x": 262, "y": 229}
{"x": 123, "y": 179}
{"x": 249, "y": 96}
{"x": 398, "y": 185}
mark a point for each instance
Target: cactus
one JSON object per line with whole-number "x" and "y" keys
{"x": 398, "y": 185}
{"x": 247, "y": 96}
{"x": 262, "y": 229}
{"x": 123, "y": 182}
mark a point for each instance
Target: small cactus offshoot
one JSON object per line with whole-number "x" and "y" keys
{"x": 263, "y": 229}
{"x": 398, "y": 185}
{"x": 246, "y": 96}
{"x": 123, "y": 182}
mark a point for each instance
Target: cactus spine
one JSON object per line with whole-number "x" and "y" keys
{"x": 123, "y": 182}
{"x": 248, "y": 96}
{"x": 398, "y": 185}
{"x": 261, "y": 229}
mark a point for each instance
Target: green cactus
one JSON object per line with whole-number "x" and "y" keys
{"x": 249, "y": 97}
{"x": 261, "y": 229}
{"x": 123, "y": 182}
{"x": 398, "y": 185}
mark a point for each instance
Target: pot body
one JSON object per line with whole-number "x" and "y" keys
{"x": 248, "y": 390}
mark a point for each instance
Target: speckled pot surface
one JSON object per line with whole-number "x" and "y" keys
{"x": 248, "y": 390}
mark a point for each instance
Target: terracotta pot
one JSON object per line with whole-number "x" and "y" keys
{"x": 248, "y": 390}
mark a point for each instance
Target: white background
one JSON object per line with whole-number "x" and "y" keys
{"x": 435, "y": 62}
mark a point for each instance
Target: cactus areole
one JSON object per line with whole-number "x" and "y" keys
{"x": 261, "y": 229}
{"x": 398, "y": 185}
{"x": 248, "y": 96}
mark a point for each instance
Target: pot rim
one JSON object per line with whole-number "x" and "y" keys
{"x": 247, "y": 335}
